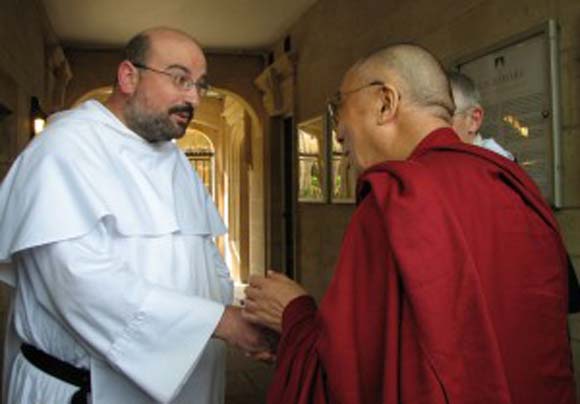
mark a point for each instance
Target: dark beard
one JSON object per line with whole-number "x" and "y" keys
{"x": 156, "y": 127}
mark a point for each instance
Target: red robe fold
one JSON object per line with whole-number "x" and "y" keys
{"x": 451, "y": 287}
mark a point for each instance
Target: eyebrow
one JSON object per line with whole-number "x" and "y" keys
{"x": 179, "y": 67}
{"x": 186, "y": 70}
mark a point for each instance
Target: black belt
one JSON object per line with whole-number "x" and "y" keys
{"x": 61, "y": 370}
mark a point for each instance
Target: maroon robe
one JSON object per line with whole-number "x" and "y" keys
{"x": 451, "y": 287}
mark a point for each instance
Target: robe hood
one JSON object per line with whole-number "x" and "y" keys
{"x": 87, "y": 166}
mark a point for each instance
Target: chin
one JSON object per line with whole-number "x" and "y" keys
{"x": 180, "y": 130}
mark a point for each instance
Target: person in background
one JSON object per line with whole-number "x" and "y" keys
{"x": 467, "y": 120}
{"x": 469, "y": 114}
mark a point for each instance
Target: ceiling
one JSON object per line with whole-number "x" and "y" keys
{"x": 217, "y": 24}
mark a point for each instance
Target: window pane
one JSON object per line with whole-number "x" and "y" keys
{"x": 311, "y": 166}
{"x": 343, "y": 174}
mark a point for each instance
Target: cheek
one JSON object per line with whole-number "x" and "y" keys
{"x": 158, "y": 100}
{"x": 144, "y": 100}
{"x": 349, "y": 136}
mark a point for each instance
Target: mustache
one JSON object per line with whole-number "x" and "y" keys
{"x": 182, "y": 108}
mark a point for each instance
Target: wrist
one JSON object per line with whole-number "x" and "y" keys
{"x": 296, "y": 310}
{"x": 223, "y": 328}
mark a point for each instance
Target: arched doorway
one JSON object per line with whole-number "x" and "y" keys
{"x": 200, "y": 152}
{"x": 224, "y": 143}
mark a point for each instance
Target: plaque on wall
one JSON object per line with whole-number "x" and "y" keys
{"x": 519, "y": 84}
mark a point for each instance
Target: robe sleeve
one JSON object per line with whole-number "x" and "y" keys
{"x": 573, "y": 289}
{"x": 225, "y": 279}
{"x": 302, "y": 378}
{"x": 152, "y": 334}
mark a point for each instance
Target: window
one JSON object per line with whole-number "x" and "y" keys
{"x": 343, "y": 174}
{"x": 201, "y": 154}
{"x": 311, "y": 161}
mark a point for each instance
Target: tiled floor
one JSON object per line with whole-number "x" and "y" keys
{"x": 246, "y": 379}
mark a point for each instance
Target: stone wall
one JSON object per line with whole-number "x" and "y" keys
{"x": 23, "y": 71}
{"x": 26, "y": 43}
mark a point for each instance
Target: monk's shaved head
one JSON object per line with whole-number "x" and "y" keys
{"x": 417, "y": 72}
{"x": 388, "y": 102}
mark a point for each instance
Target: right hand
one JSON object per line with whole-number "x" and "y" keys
{"x": 239, "y": 332}
{"x": 267, "y": 298}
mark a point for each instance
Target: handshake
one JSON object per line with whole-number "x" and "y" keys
{"x": 256, "y": 326}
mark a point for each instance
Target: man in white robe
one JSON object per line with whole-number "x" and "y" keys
{"x": 469, "y": 114}
{"x": 109, "y": 233}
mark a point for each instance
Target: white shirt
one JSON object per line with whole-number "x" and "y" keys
{"x": 491, "y": 144}
{"x": 123, "y": 276}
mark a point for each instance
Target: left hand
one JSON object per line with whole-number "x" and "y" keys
{"x": 267, "y": 297}
{"x": 234, "y": 329}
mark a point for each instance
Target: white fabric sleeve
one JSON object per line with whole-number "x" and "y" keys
{"x": 225, "y": 279}
{"x": 153, "y": 335}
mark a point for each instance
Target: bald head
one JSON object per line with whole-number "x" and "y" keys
{"x": 419, "y": 74}
{"x": 389, "y": 102}
{"x": 139, "y": 47}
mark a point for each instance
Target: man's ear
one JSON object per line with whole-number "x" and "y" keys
{"x": 389, "y": 104}
{"x": 127, "y": 77}
{"x": 476, "y": 120}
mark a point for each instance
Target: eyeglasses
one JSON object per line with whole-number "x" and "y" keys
{"x": 181, "y": 81}
{"x": 335, "y": 102}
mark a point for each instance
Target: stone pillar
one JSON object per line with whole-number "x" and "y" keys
{"x": 58, "y": 76}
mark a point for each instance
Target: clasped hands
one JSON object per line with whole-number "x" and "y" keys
{"x": 255, "y": 328}
{"x": 267, "y": 297}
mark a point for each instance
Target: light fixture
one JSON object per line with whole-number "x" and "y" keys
{"x": 37, "y": 115}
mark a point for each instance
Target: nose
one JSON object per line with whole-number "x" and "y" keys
{"x": 192, "y": 97}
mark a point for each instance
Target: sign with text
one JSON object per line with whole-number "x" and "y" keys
{"x": 519, "y": 89}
